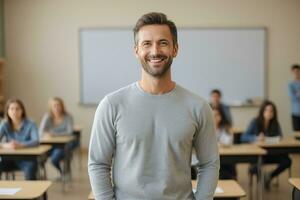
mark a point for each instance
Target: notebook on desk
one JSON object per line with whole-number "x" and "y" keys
{"x": 273, "y": 139}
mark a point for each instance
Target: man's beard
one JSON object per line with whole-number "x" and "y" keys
{"x": 151, "y": 70}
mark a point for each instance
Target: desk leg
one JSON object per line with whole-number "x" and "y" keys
{"x": 41, "y": 171}
{"x": 260, "y": 179}
{"x": 65, "y": 170}
{"x": 45, "y": 196}
{"x": 39, "y": 165}
{"x": 295, "y": 194}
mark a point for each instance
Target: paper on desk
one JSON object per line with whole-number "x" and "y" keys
{"x": 9, "y": 191}
{"x": 217, "y": 191}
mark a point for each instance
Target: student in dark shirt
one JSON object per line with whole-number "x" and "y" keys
{"x": 267, "y": 125}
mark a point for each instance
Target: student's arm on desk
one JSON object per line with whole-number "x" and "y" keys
{"x": 7, "y": 144}
{"x": 250, "y": 134}
{"x": 34, "y": 137}
{"x": 206, "y": 148}
{"x": 101, "y": 150}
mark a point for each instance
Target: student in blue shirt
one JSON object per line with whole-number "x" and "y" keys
{"x": 267, "y": 125}
{"x": 18, "y": 132}
{"x": 57, "y": 122}
{"x": 294, "y": 94}
{"x": 216, "y": 102}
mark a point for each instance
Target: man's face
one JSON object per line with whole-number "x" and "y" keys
{"x": 215, "y": 98}
{"x": 155, "y": 49}
{"x": 296, "y": 74}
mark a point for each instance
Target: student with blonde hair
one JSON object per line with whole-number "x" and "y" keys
{"x": 18, "y": 132}
{"x": 56, "y": 122}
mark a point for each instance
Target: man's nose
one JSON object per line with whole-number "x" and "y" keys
{"x": 155, "y": 49}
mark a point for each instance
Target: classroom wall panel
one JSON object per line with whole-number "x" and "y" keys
{"x": 42, "y": 45}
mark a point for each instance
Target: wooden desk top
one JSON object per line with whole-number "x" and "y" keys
{"x": 39, "y": 150}
{"x": 230, "y": 187}
{"x": 29, "y": 189}
{"x": 242, "y": 150}
{"x": 57, "y": 139}
{"x": 237, "y": 130}
{"x": 77, "y": 127}
{"x": 289, "y": 141}
{"x": 297, "y": 134}
{"x": 295, "y": 182}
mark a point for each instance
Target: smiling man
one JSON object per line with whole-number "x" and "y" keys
{"x": 144, "y": 133}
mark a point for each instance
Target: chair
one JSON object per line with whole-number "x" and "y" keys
{"x": 277, "y": 178}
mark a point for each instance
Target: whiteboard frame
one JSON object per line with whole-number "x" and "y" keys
{"x": 266, "y": 56}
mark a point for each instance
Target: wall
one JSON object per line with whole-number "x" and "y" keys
{"x": 1, "y": 29}
{"x": 43, "y": 55}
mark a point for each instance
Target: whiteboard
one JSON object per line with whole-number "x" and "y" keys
{"x": 230, "y": 59}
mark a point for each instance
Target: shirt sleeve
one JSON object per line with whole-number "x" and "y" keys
{"x": 101, "y": 151}
{"x": 69, "y": 125}
{"x": 206, "y": 148}
{"x": 251, "y": 132}
{"x": 279, "y": 130}
{"x": 34, "y": 136}
{"x": 1, "y": 131}
{"x": 293, "y": 93}
{"x": 228, "y": 114}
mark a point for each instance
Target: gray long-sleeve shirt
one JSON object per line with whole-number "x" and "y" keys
{"x": 147, "y": 141}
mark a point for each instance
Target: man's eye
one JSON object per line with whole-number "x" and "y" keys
{"x": 146, "y": 44}
{"x": 163, "y": 43}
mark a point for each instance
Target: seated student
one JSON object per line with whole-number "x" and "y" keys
{"x": 215, "y": 102}
{"x": 225, "y": 138}
{"x": 267, "y": 125}
{"x": 57, "y": 122}
{"x": 18, "y": 132}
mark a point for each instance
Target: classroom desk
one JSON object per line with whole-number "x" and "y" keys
{"x": 61, "y": 142}
{"x": 287, "y": 145}
{"x": 29, "y": 189}
{"x": 245, "y": 153}
{"x": 38, "y": 153}
{"x": 232, "y": 190}
{"x": 295, "y": 182}
{"x": 297, "y": 135}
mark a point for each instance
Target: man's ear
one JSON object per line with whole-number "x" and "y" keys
{"x": 135, "y": 51}
{"x": 175, "y": 50}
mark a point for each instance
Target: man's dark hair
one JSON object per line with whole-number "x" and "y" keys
{"x": 295, "y": 66}
{"x": 216, "y": 91}
{"x": 152, "y": 19}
